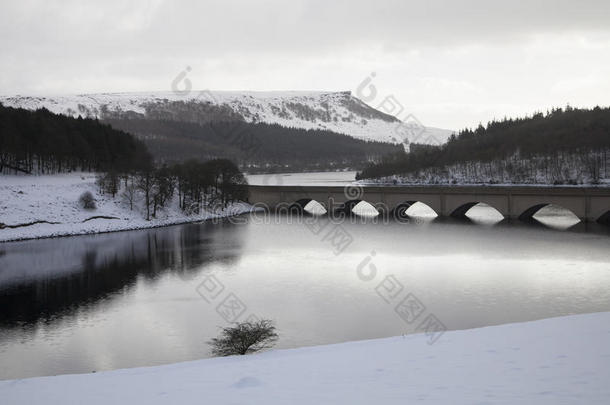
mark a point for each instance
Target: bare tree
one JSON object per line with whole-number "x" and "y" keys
{"x": 145, "y": 184}
{"x": 163, "y": 188}
{"x": 108, "y": 182}
{"x": 130, "y": 192}
{"x": 244, "y": 338}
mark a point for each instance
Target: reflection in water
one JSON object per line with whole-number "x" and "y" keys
{"x": 44, "y": 279}
{"x": 484, "y": 214}
{"x": 127, "y": 299}
{"x": 315, "y": 208}
{"x": 556, "y": 217}
{"x": 421, "y": 210}
{"x": 551, "y": 216}
{"x": 365, "y": 209}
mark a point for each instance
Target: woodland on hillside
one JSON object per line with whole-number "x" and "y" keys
{"x": 256, "y": 147}
{"x": 563, "y": 146}
{"x": 40, "y": 142}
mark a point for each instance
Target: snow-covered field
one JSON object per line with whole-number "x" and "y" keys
{"x": 553, "y": 361}
{"x": 54, "y": 198}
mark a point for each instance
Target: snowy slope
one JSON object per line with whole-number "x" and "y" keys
{"x": 552, "y": 361}
{"x": 54, "y": 199}
{"x": 335, "y": 111}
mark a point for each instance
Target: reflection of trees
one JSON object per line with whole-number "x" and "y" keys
{"x": 110, "y": 264}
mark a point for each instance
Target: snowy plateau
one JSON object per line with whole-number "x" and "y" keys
{"x": 338, "y": 112}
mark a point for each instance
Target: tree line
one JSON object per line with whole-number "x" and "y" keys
{"x": 564, "y": 144}
{"x": 40, "y": 142}
{"x": 198, "y": 185}
{"x": 255, "y": 147}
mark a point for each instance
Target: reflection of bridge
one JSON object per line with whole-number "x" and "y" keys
{"x": 587, "y": 203}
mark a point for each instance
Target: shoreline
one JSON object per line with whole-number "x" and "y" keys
{"x": 94, "y": 232}
{"x": 542, "y": 362}
{"x": 50, "y": 204}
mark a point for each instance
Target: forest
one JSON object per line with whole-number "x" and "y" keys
{"x": 561, "y": 146}
{"x": 255, "y": 147}
{"x": 40, "y": 142}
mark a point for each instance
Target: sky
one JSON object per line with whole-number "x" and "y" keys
{"x": 451, "y": 64}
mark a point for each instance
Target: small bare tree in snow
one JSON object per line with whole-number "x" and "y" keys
{"x": 244, "y": 338}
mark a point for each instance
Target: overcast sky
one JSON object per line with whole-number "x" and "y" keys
{"x": 452, "y": 64}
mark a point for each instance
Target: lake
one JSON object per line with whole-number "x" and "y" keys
{"x": 302, "y": 179}
{"x": 148, "y": 297}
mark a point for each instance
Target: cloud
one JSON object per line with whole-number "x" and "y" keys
{"x": 229, "y": 26}
{"x": 427, "y": 52}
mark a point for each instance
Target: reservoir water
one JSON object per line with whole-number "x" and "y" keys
{"x": 140, "y": 298}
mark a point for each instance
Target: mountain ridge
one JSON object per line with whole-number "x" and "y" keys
{"x": 338, "y": 112}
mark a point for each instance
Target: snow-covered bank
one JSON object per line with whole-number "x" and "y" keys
{"x": 54, "y": 199}
{"x": 553, "y": 361}
{"x": 588, "y": 168}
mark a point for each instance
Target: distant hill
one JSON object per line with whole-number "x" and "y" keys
{"x": 563, "y": 146}
{"x": 338, "y": 112}
{"x": 294, "y": 131}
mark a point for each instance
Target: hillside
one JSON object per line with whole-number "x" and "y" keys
{"x": 338, "y": 112}
{"x": 262, "y": 132}
{"x": 257, "y": 147}
{"x": 563, "y": 146}
{"x": 43, "y": 142}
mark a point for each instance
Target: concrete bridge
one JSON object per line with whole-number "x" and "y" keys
{"x": 513, "y": 202}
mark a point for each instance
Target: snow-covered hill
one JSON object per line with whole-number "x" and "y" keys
{"x": 339, "y": 112}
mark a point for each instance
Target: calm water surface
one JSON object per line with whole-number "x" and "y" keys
{"x": 300, "y": 179}
{"x": 126, "y": 299}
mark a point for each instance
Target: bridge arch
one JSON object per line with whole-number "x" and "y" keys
{"x": 347, "y": 208}
{"x": 553, "y": 216}
{"x": 301, "y": 207}
{"x": 604, "y": 219}
{"x": 528, "y": 214}
{"x": 401, "y": 211}
{"x": 302, "y": 203}
{"x": 461, "y": 211}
